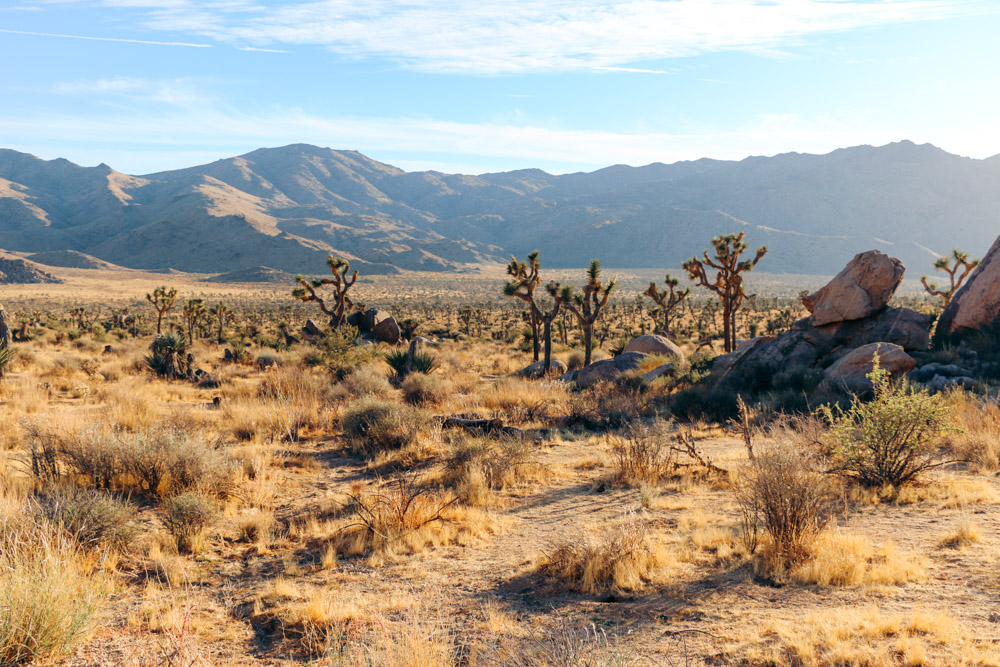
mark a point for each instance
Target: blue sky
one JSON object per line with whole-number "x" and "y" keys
{"x": 462, "y": 86}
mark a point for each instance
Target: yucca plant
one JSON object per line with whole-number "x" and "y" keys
{"x": 399, "y": 361}
{"x": 168, "y": 356}
{"x": 6, "y": 357}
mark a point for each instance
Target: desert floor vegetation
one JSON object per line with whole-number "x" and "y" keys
{"x": 308, "y": 503}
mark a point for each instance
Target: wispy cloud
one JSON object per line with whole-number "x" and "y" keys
{"x": 253, "y": 48}
{"x": 105, "y": 39}
{"x": 137, "y": 93}
{"x": 536, "y": 35}
{"x": 635, "y": 70}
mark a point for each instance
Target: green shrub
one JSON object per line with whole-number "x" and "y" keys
{"x": 168, "y": 356}
{"x": 892, "y": 438}
{"x": 372, "y": 425}
{"x": 398, "y": 360}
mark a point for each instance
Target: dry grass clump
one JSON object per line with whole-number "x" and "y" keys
{"x": 401, "y": 517}
{"x": 944, "y": 491}
{"x": 90, "y": 517}
{"x": 524, "y": 401}
{"x": 622, "y": 559}
{"x": 965, "y": 534}
{"x": 977, "y": 440}
{"x": 851, "y": 561}
{"x": 368, "y": 380}
{"x": 157, "y": 461}
{"x": 49, "y": 596}
{"x": 373, "y": 425}
{"x": 292, "y": 401}
{"x": 482, "y": 465}
{"x": 187, "y": 516}
{"x": 852, "y": 636}
{"x": 422, "y": 389}
{"x": 128, "y": 404}
{"x": 625, "y": 399}
{"x": 24, "y": 395}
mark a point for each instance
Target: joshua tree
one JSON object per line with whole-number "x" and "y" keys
{"x": 524, "y": 276}
{"x": 588, "y": 305}
{"x": 956, "y": 274}
{"x": 194, "y": 312}
{"x": 341, "y": 284}
{"x": 6, "y": 352}
{"x": 668, "y": 299}
{"x": 222, "y": 314}
{"x": 728, "y": 283}
{"x": 525, "y": 281}
{"x": 162, "y": 299}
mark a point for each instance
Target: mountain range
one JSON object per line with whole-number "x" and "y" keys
{"x": 288, "y": 208}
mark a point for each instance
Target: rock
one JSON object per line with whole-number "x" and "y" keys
{"x": 386, "y": 331}
{"x": 608, "y": 369}
{"x": 108, "y": 349}
{"x": 356, "y": 319}
{"x": 658, "y": 345}
{"x": 864, "y": 287}
{"x": 570, "y": 376}
{"x": 372, "y": 318}
{"x": 659, "y": 371}
{"x": 228, "y": 356}
{"x": 977, "y": 304}
{"x": 904, "y": 327}
{"x": 424, "y": 340}
{"x": 311, "y": 330}
{"x": 208, "y": 382}
{"x": 784, "y": 351}
{"x": 854, "y": 366}
{"x": 537, "y": 369}
{"x": 940, "y": 383}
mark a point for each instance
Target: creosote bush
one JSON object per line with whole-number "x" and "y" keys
{"x": 892, "y": 438}
{"x": 186, "y": 517}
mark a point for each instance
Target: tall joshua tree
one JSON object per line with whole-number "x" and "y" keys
{"x": 522, "y": 286}
{"x": 6, "y": 352}
{"x": 525, "y": 276}
{"x": 668, "y": 299}
{"x": 587, "y": 306}
{"x": 340, "y": 282}
{"x": 956, "y": 274}
{"x": 162, "y": 298}
{"x": 222, "y": 314}
{"x": 194, "y": 311}
{"x": 728, "y": 282}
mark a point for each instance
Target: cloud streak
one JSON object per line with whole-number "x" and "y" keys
{"x": 105, "y": 39}
{"x": 538, "y": 35}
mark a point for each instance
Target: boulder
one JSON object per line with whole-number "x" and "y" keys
{"x": 864, "y": 287}
{"x": 977, "y": 304}
{"x": 659, "y": 371}
{"x": 569, "y": 376}
{"x": 658, "y": 345}
{"x": 386, "y": 331}
{"x": 608, "y": 369}
{"x": 904, "y": 327}
{"x": 372, "y": 318}
{"x": 311, "y": 330}
{"x": 854, "y": 366}
{"x": 784, "y": 351}
{"x": 356, "y": 319}
{"x": 537, "y": 369}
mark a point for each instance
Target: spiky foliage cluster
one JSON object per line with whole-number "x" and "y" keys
{"x": 668, "y": 299}
{"x": 162, "y": 298}
{"x": 728, "y": 282}
{"x": 340, "y": 282}
{"x": 588, "y": 304}
{"x": 168, "y": 356}
{"x": 957, "y": 273}
{"x": 403, "y": 363}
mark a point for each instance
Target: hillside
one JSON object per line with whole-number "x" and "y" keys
{"x": 21, "y": 272}
{"x": 289, "y": 207}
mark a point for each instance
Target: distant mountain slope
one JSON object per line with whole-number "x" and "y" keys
{"x": 289, "y": 207}
{"x": 15, "y": 271}
{"x": 70, "y": 259}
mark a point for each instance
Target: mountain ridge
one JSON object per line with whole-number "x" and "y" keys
{"x": 290, "y": 206}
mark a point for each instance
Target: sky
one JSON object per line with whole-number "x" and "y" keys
{"x": 472, "y": 87}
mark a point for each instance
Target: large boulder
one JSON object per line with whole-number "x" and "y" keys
{"x": 904, "y": 327}
{"x": 864, "y": 287}
{"x": 977, "y": 304}
{"x": 311, "y": 330}
{"x": 386, "y": 331}
{"x": 537, "y": 369}
{"x": 372, "y": 317}
{"x": 785, "y": 351}
{"x": 658, "y": 345}
{"x": 608, "y": 369}
{"x": 853, "y": 367}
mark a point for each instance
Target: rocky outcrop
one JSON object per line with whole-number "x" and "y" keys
{"x": 20, "y": 272}
{"x": 658, "y": 345}
{"x": 863, "y": 288}
{"x": 608, "y": 369}
{"x": 977, "y": 304}
{"x": 854, "y": 367}
{"x": 386, "y": 331}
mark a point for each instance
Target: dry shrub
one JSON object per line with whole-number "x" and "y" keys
{"x": 365, "y": 381}
{"x": 91, "y": 518}
{"x": 853, "y": 636}
{"x": 128, "y": 405}
{"x": 522, "y": 401}
{"x": 965, "y": 534}
{"x": 783, "y": 495}
{"x": 978, "y": 438}
{"x": 623, "y": 400}
{"x": 373, "y": 425}
{"x": 49, "y": 597}
{"x": 622, "y": 559}
{"x": 156, "y": 461}
{"x": 480, "y": 465}
{"x": 187, "y": 516}
{"x": 850, "y": 560}
{"x": 422, "y": 389}
{"x": 292, "y": 401}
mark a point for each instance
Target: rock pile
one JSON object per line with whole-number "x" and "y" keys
{"x": 849, "y": 319}
{"x": 374, "y": 324}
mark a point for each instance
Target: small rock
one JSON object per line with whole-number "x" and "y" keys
{"x": 537, "y": 369}
{"x": 658, "y": 345}
{"x": 854, "y": 366}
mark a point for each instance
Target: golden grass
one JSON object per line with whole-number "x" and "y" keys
{"x": 965, "y": 534}
{"x": 848, "y": 560}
